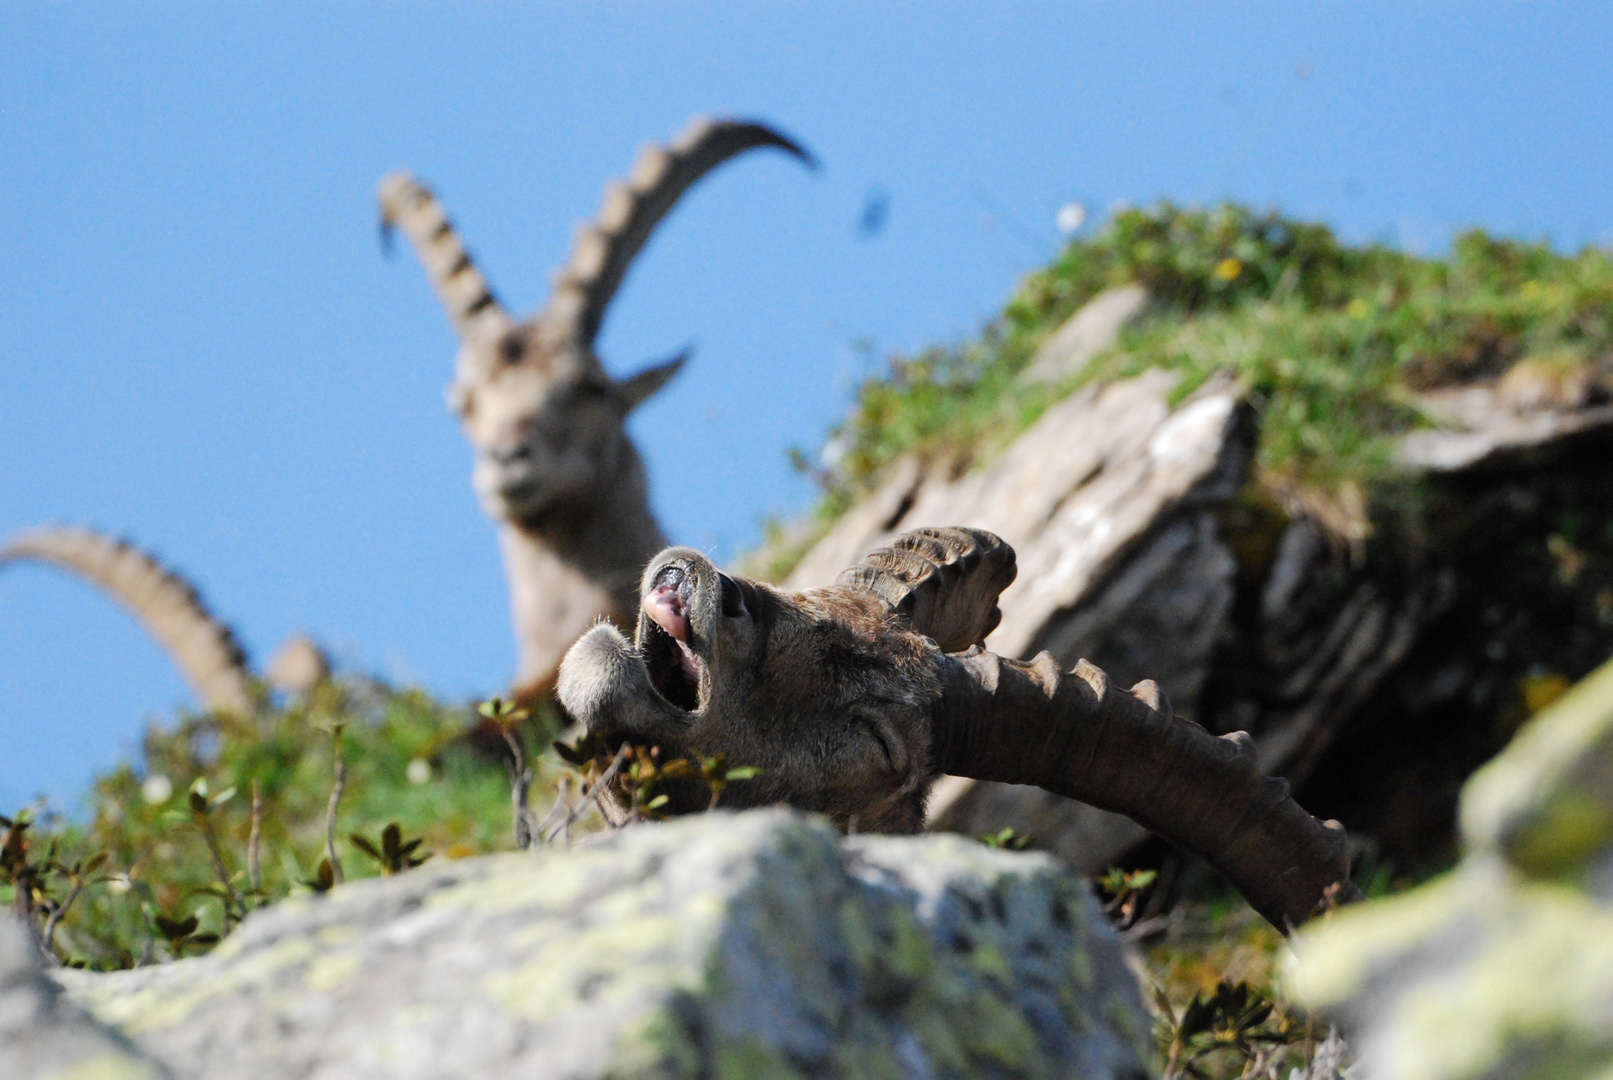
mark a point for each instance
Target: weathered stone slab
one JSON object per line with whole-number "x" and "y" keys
{"x": 1479, "y": 426}
{"x": 1093, "y": 329}
{"x": 1102, "y": 500}
{"x": 721, "y": 945}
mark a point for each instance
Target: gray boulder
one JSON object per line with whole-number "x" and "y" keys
{"x": 1503, "y": 968}
{"x": 724, "y": 945}
{"x": 43, "y": 1036}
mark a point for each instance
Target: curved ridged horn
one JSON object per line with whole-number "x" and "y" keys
{"x": 1125, "y": 751}
{"x": 604, "y": 249}
{"x": 944, "y": 582}
{"x": 409, "y": 205}
{"x": 202, "y": 647}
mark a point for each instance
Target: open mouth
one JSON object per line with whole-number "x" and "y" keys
{"x": 674, "y": 668}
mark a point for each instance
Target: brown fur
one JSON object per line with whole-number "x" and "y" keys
{"x": 825, "y": 691}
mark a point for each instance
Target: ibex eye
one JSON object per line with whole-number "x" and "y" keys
{"x": 510, "y": 350}
{"x": 733, "y": 600}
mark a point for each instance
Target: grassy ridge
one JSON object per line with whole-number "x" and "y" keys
{"x": 1333, "y": 341}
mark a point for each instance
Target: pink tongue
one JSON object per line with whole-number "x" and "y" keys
{"x": 665, "y": 607}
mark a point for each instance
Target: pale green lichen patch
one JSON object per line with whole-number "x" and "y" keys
{"x": 1515, "y": 975}
{"x": 189, "y": 986}
{"x": 1504, "y": 967}
{"x": 109, "y": 1065}
{"x": 1547, "y": 801}
{"x": 1333, "y": 959}
{"x": 329, "y": 972}
{"x": 614, "y": 963}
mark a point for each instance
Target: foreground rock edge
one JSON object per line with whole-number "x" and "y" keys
{"x": 1502, "y": 968}
{"x": 719, "y": 945}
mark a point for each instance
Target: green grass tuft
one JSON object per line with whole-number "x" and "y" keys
{"x": 409, "y": 761}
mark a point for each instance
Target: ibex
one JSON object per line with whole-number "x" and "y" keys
{"x": 852, "y": 699}
{"x": 201, "y": 646}
{"x": 554, "y": 465}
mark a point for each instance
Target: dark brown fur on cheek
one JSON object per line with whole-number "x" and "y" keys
{"x": 832, "y": 702}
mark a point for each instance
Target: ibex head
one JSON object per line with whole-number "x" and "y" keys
{"x": 825, "y": 689}
{"x": 541, "y": 413}
{"x": 850, "y": 699}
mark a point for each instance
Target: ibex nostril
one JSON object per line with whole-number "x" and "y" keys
{"x": 509, "y": 455}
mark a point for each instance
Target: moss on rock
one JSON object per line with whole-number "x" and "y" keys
{"x": 1504, "y": 967}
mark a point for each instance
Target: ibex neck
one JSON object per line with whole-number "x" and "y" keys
{"x": 611, "y": 537}
{"x": 567, "y": 570}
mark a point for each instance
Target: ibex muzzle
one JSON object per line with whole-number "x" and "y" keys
{"x": 851, "y": 699}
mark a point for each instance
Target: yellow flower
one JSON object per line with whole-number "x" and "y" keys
{"x": 1358, "y": 308}
{"x": 1227, "y": 269}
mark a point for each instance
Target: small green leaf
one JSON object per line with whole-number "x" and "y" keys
{"x": 324, "y": 878}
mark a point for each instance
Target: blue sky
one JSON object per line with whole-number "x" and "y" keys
{"x": 202, "y": 347}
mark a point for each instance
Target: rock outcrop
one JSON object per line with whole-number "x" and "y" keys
{"x": 722, "y": 945}
{"x": 1107, "y": 502}
{"x": 1140, "y": 550}
{"x": 1504, "y": 967}
{"x": 1093, "y": 329}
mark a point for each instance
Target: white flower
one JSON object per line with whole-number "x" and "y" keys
{"x": 419, "y": 770}
{"x": 1071, "y": 216}
{"x": 157, "y": 789}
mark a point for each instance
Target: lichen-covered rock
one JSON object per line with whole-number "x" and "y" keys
{"x": 724, "y": 945}
{"x": 45, "y": 1037}
{"x": 1503, "y": 968}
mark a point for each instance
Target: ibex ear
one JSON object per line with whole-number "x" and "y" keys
{"x": 638, "y": 389}
{"x": 943, "y": 582}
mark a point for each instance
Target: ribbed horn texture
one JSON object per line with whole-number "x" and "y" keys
{"x": 944, "y": 582}
{"x": 408, "y": 205}
{"x": 1124, "y": 751}
{"x": 202, "y": 647}
{"x": 603, "y": 250}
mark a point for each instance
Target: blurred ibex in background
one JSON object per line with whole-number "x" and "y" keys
{"x": 554, "y": 465}
{"x": 201, "y": 646}
{"x": 852, "y": 699}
